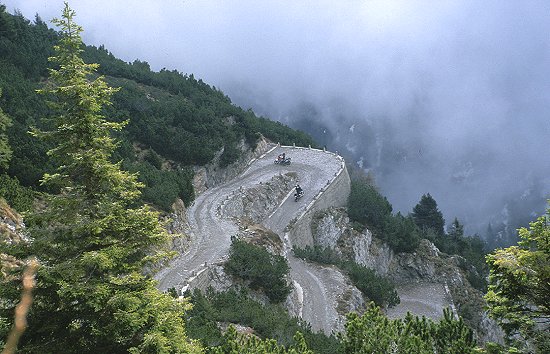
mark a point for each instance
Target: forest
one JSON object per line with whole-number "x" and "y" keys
{"x": 174, "y": 121}
{"x": 93, "y": 150}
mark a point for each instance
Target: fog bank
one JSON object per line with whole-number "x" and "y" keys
{"x": 447, "y": 97}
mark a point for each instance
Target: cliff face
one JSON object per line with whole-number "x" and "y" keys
{"x": 256, "y": 203}
{"x": 427, "y": 280}
{"x": 212, "y": 174}
{"x": 335, "y": 194}
{"x": 178, "y": 225}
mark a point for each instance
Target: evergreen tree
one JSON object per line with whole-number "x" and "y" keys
{"x": 92, "y": 240}
{"x": 262, "y": 269}
{"x": 5, "y": 151}
{"x": 456, "y": 230}
{"x": 367, "y": 206}
{"x": 427, "y": 216}
{"x": 401, "y": 233}
{"x": 375, "y": 333}
{"x": 236, "y": 343}
{"x": 519, "y": 284}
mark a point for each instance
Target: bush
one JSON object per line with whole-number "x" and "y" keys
{"x": 259, "y": 267}
{"x": 230, "y": 154}
{"x": 153, "y": 158}
{"x": 162, "y": 187}
{"x": 367, "y": 206}
{"x": 18, "y": 197}
{"x": 268, "y": 321}
{"x": 375, "y": 333}
{"x": 375, "y": 287}
{"x": 317, "y": 254}
{"x": 401, "y": 233}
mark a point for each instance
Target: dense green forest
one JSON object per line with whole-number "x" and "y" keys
{"x": 82, "y": 129}
{"x": 174, "y": 120}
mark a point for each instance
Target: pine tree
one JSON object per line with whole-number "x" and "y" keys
{"x": 427, "y": 216}
{"x": 367, "y": 206}
{"x": 456, "y": 230}
{"x": 235, "y": 343}
{"x": 519, "y": 284}
{"x": 373, "y": 332}
{"x": 92, "y": 239}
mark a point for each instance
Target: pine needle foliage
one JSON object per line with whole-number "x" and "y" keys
{"x": 373, "y": 332}
{"x": 92, "y": 238}
{"x": 519, "y": 285}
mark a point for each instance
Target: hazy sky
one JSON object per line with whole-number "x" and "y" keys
{"x": 461, "y": 87}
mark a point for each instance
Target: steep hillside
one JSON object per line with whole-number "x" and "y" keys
{"x": 175, "y": 121}
{"x": 427, "y": 280}
{"x": 98, "y": 244}
{"x": 11, "y": 232}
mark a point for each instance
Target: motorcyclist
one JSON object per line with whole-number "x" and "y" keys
{"x": 299, "y": 190}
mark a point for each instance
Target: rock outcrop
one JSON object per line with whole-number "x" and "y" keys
{"x": 212, "y": 174}
{"x": 427, "y": 279}
{"x": 207, "y": 177}
{"x": 258, "y": 202}
{"x": 11, "y": 232}
{"x": 178, "y": 226}
{"x": 335, "y": 194}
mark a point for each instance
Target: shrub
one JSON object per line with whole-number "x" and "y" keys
{"x": 377, "y": 288}
{"x": 267, "y": 321}
{"x": 163, "y": 187}
{"x": 367, "y": 206}
{"x": 401, "y": 233}
{"x": 230, "y": 154}
{"x": 262, "y": 269}
{"x": 317, "y": 254}
{"x": 375, "y": 333}
{"x": 19, "y": 197}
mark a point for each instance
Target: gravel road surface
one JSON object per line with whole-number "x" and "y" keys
{"x": 422, "y": 299}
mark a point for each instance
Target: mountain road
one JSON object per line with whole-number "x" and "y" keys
{"x": 211, "y": 231}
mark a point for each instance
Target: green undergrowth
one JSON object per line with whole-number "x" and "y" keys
{"x": 267, "y": 321}
{"x": 377, "y": 288}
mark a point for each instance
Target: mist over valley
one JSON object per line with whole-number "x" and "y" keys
{"x": 447, "y": 98}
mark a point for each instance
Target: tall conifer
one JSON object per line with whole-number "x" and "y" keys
{"x": 92, "y": 238}
{"x": 427, "y": 216}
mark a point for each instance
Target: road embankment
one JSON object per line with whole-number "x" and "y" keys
{"x": 334, "y": 194}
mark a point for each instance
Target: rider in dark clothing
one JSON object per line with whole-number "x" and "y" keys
{"x": 299, "y": 189}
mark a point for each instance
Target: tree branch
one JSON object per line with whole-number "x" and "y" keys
{"x": 22, "y": 309}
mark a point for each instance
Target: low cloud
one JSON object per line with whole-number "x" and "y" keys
{"x": 447, "y": 97}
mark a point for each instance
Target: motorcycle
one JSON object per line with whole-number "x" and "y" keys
{"x": 298, "y": 195}
{"x": 285, "y": 161}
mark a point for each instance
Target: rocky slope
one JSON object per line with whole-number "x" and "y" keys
{"x": 209, "y": 176}
{"x": 427, "y": 279}
{"x": 213, "y": 174}
{"x": 11, "y": 231}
